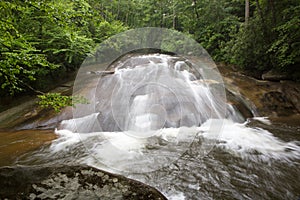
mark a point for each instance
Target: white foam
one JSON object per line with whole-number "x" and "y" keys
{"x": 175, "y": 195}
{"x": 264, "y": 120}
{"x": 236, "y": 138}
{"x": 79, "y": 124}
{"x": 66, "y": 139}
{"x": 249, "y": 142}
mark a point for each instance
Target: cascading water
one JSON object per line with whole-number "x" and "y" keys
{"x": 150, "y": 93}
{"x": 149, "y": 109}
{"x": 157, "y": 120}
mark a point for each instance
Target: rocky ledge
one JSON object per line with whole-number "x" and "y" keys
{"x": 266, "y": 98}
{"x": 70, "y": 182}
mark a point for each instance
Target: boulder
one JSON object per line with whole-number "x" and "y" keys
{"x": 70, "y": 182}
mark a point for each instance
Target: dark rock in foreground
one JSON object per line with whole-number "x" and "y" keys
{"x": 70, "y": 182}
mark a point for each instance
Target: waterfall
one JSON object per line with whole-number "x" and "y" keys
{"x": 151, "y": 92}
{"x": 153, "y": 107}
{"x": 166, "y": 116}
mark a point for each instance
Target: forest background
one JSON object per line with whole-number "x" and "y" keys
{"x": 42, "y": 41}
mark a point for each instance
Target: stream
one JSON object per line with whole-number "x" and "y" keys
{"x": 161, "y": 120}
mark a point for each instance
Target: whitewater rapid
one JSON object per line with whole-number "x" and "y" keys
{"x": 236, "y": 138}
{"x": 157, "y": 115}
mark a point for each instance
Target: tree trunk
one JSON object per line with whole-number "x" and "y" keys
{"x": 174, "y": 16}
{"x": 246, "y": 11}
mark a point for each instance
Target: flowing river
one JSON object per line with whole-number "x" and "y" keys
{"x": 158, "y": 120}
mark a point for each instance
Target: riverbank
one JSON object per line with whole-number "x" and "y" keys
{"x": 29, "y": 115}
{"x": 273, "y": 99}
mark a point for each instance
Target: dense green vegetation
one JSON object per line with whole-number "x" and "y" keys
{"x": 268, "y": 37}
{"x": 42, "y": 39}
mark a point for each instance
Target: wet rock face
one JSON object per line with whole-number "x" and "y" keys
{"x": 278, "y": 102}
{"x": 27, "y": 114}
{"x": 266, "y": 98}
{"x": 70, "y": 182}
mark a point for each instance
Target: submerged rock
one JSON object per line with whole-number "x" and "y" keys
{"x": 70, "y": 182}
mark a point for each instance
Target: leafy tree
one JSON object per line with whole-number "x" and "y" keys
{"x": 42, "y": 38}
{"x": 286, "y": 46}
{"x": 20, "y": 61}
{"x": 214, "y": 25}
{"x": 270, "y": 40}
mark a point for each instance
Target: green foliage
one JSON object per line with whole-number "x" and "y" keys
{"x": 20, "y": 62}
{"x": 270, "y": 40}
{"x": 68, "y": 48}
{"x": 43, "y": 38}
{"x": 215, "y": 36}
{"x": 39, "y": 38}
{"x": 57, "y": 101}
{"x": 104, "y": 30}
{"x": 286, "y": 47}
{"x": 248, "y": 48}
